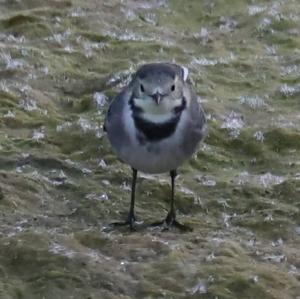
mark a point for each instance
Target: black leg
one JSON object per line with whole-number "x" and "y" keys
{"x": 171, "y": 217}
{"x": 131, "y": 217}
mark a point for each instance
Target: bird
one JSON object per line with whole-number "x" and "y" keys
{"x": 155, "y": 124}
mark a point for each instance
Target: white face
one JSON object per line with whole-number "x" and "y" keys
{"x": 158, "y": 113}
{"x": 170, "y": 91}
{"x": 149, "y": 106}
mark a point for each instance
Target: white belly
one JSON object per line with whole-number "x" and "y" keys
{"x": 155, "y": 157}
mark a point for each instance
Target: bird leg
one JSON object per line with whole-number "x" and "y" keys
{"x": 171, "y": 217}
{"x": 131, "y": 217}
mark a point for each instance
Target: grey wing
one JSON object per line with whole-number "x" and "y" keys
{"x": 114, "y": 111}
{"x": 198, "y": 117}
{"x": 196, "y": 127}
{"x": 114, "y": 121}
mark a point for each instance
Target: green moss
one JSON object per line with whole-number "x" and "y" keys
{"x": 94, "y": 37}
{"x": 283, "y": 24}
{"x": 57, "y": 196}
{"x": 92, "y": 240}
{"x": 244, "y": 144}
{"x": 246, "y": 288}
{"x": 280, "y": 139}
{"x": 18, "y": 20}
{"x": 287, "y": 191}
{"x": 27, "y": 25}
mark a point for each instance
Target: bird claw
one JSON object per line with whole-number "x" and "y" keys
{"x": 182, "y": 227}
{"x": 168, "y": 223}
{"x": 130, "y": 222}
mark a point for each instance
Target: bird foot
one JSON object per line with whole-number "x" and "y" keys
{"x": 131, "y": 219}
{"x": 171, "y": 221}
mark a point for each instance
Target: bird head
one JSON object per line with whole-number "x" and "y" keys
{"x": 158, "y": 87}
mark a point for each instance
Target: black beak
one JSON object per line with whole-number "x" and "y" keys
{"x": 157, "y": 97}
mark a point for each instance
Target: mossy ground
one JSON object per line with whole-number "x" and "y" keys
{"x": 61, "y": 185}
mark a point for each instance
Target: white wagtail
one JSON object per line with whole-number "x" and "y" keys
{"x": 154, "y": 124}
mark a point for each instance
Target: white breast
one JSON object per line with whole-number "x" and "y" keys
{"x": 154, "y": 157}
{"x": 166, "y": 106}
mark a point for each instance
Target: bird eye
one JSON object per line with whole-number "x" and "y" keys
{"x": 173, "y": 87}
{"x": 142, "y": 88}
